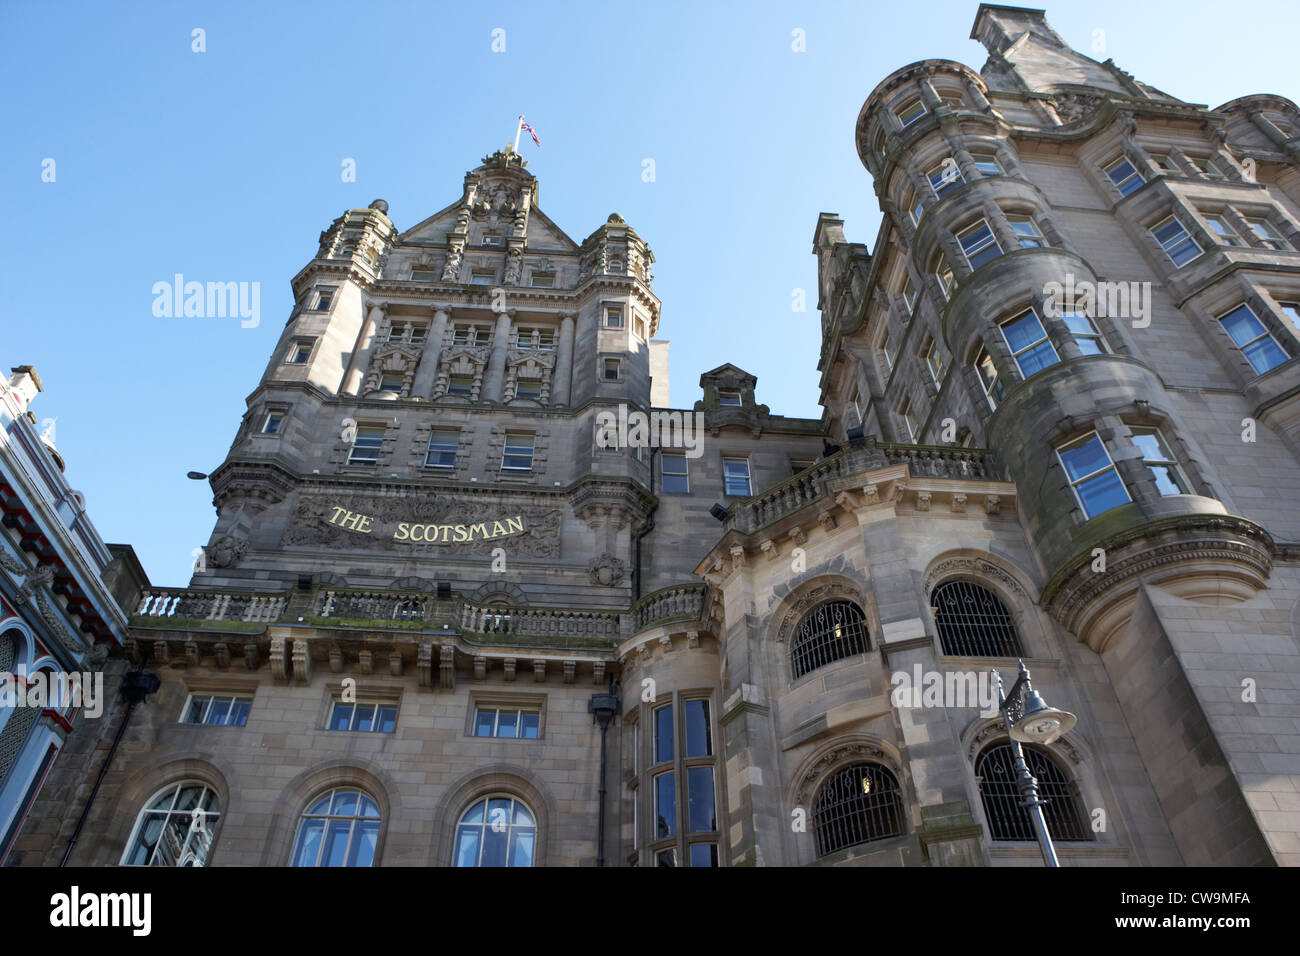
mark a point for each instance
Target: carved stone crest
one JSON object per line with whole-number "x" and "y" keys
{"x": 607, "y": 570}
{"x": 226, "y": 551}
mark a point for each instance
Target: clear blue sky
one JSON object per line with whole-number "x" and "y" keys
{"x": 225, "y": 166}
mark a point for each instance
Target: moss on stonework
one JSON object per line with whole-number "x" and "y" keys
{"x": 195, "y": 624}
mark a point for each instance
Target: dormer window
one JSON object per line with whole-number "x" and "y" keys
{"x": 491, "y": 239}
{"x": 543, "y": 280}
{"x": 729, "y": 396}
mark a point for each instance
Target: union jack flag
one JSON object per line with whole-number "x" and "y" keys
{"x": 531, "y": 132}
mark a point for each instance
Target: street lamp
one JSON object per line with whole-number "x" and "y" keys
{"x": 1030, "y": 720}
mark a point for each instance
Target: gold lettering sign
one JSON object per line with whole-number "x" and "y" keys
{"x": 431, "y": 533}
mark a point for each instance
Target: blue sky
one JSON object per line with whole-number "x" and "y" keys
{"x": 225, "y": 166}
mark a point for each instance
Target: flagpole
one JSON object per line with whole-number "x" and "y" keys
{"x": 519, "y": 127}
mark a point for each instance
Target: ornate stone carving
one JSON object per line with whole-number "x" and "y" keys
{"x": 1073, "y": 107}
{"x": 226, "y": 551}
{"x": 976, "y": 567}
{"x": 607, "y": 570}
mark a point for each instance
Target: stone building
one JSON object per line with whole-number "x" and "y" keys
{"x": 62, "y": 598}
{"x": 1061, "y": 424}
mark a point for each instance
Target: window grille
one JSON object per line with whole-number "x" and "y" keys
{"x": 830, "y": 632}
{"x": 858, "y": 804}
{"x": 973, "y": 622}
{"x": 1008, "y": 819}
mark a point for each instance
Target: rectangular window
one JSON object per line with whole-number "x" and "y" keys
{"x": 464, "y": 335}
{"x": 273, "y": 422}
{"x": 665, "y": 791}
{"x": 1126, "y": 179}
{"x": 1029, "y": 345}
{"x": 1173, "y": 238}
{"x": 663, "y": 721}
{"x": 366, "y": 717}
{"x": 300, "y": 352}
{"x": 943, "y": 273}
{"x": 988, "y": 373}
{"x": 800, "y": 464}
{"x": 735, "y": 476}
{"x": 482, "y": 277}
{"x": 699, "y": 734}
{"x": 391, "y": 381}
{"x": 640, "y": 328}
{"x": 462, "y": 385}
{"x": 1268, "y": 235}
{"x": 611, "y": 369}
{"x": 1223, "y": 231}
{"x": 366, "y": 445}
{"x": 1164, "y": 164}
{"x": 987, "y": 164}
{"x": 217, "y": 710}
{"x": 674, "y": 474}
{"x": 418, "y": 331}
{"x": 443, "y": 443}
{"x": 1163, "y": 465}
{"x": 701, "y": 809}
{"x": 979, "y": 244}
{"x": 909, "y": 294}
{"x": 515, "y": 723}
{"x": 934, "y": 362}
{"x": 423, "y": 275}
{"x": 543, "y": 340}
{"x": 491, "y": 239}
{"x": 1027, "y": 233}
{"x": 947, "y": 175}
{"x": 913, "y": 422}
{"x": 729, "y": 396}
{"x": 543, "y": 280}
{"x": 613, "y": 318}
{"x": 528, "y": 388}
{"x": 324, "y": 299}
{"x": 704, "y": 854}
{"x": 915, "y": 206}
{"x": 1292, "y": 312}
{"x": 1255, "y": 342}
{"x": 1205, "y": 167}
{"x": 887, "y": 352}
{"x": 1085, "y": 334}
{"x": 1092, "y": 475}
{"x": 517, "y": 455}
{"x": 910, "y": 112}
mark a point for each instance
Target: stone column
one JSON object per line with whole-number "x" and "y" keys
{"x": 563, "y": 361}
{"x": 427, "y": 371}
{"x": 495, "y": 378}
{"x": 361, "y": 354}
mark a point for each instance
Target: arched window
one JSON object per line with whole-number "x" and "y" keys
{"x": 340, "y": 828}
{"x": 858, "y": 804}
{"x": 496, "y": 831}
{"x": 1008, "y": 820}
{"x": 973, "y": 622}
{"x": 175, "y": 828}
{"x": 829, "y": 632}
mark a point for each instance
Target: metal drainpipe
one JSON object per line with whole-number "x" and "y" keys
{"x": 136, "y": 686}
{"x": 649, "y": 526}
{"x": 602, "y": 708}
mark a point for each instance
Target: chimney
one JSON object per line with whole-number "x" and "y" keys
{"x": 24, "y": 383}
{"x": 998, "y": 27}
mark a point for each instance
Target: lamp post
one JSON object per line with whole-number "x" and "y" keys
{"x": 1029, "y": 719}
